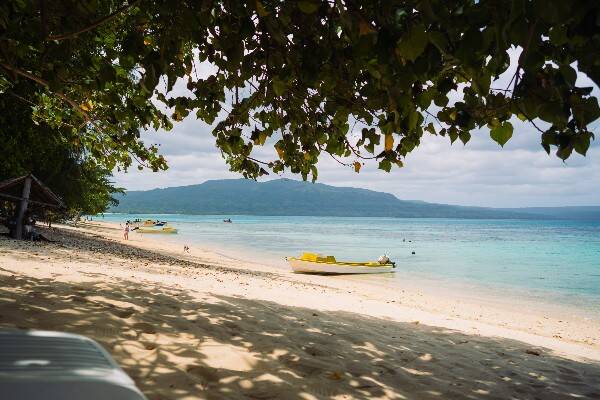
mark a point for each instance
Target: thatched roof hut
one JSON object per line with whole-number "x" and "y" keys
{"x": 28, "y": 192}
{"x": 39, "y": 194}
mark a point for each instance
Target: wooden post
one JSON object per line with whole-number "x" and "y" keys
{"x": 23, "y": 207}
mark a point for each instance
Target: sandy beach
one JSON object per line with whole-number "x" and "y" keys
{"x": 206, "y": 326}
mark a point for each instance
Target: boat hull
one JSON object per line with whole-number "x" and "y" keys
{"x": 311, "y": 267}
{"x": 163, "y": 231}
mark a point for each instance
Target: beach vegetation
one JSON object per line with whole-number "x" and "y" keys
{"x": 54, "y": 155}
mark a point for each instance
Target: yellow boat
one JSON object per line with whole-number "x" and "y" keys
{"x": 149, "y": 222}
{"x": 164, "y": 229}
{"x": 311, "y": 263}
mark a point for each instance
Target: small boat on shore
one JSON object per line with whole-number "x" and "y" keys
{"x": 150, "y": 223}
{"x": 310, "y": 263}
{"x": 164, "y": 229}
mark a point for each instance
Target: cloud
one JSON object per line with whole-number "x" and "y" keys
{"x": 480, "y": 173}
{"x": 457, "y": 174}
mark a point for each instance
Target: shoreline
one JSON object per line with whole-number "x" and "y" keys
{"x": 449, "y": 261}
{"x": 520, "y": 314}
{"x": 452, "y": 300}
{"x": 193, "y": 325}
{"x": 504, "y": 296}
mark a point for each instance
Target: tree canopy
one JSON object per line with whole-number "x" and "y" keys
{"x": 54, "y": 156}
{"x": 301, "y": 75}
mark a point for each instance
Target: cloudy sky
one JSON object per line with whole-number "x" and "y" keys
{"x": 480, "y": 173}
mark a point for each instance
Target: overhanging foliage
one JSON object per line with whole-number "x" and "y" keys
{"x": 297, "y": 75}
{"x": 55, "y": 156}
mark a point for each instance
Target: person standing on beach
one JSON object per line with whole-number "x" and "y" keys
{"x": 126, "y": 231}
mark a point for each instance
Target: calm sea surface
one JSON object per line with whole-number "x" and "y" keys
{"x": 556, "y": 261}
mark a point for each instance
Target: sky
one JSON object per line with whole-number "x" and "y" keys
{"x": 481, "y": 173}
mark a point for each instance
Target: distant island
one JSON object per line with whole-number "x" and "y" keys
{"x": 291, "y": 197}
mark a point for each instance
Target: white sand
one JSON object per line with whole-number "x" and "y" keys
{"x": 200, "y": 325}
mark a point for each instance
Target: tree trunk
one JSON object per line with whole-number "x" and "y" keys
{"x": 23, "y": 207}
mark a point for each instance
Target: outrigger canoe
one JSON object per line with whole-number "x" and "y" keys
{"x": 165, "y": 229}
{"x": 310, "y": 263}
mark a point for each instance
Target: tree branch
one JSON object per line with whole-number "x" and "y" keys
{"x": 522, "y": 58}
{"x": 337, "y": 160}
{"x": 529, "y": 119}
{"x": 45, "y": 83}
{"x": 140, "y": 162}
{"x": 258, "y": 161}
{"x": 434, "y": 117}
{"x": 93, "y": 25}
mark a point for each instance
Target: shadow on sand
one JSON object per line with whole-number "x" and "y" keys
{"x": 166, "y": 341}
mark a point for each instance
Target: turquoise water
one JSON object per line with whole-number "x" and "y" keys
{"x": 559, "y": 260}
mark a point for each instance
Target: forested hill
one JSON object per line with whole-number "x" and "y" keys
{"x": 290, "y": 197}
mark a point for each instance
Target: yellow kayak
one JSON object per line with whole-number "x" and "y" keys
{"x": 310, "y": 263}
{"x": 164, "y": 229}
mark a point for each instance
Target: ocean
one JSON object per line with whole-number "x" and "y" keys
{"x": 545, "y": 260}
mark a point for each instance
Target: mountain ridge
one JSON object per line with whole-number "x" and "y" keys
{"x": 281, "y": 197}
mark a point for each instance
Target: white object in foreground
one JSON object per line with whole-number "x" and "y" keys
{"x": 310, "y": 263}
{"x": 36, "y": 365}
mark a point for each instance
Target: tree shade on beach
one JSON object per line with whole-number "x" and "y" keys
{"x": 301, "y": 76}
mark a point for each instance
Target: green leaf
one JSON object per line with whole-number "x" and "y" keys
{"x": 413, "y": 120}
{"x": 502, "y": 133}
{"x": 585, "y": 111}
{"x": 546, "y": 147}
{"x": 279, "y": 87}
{"x": 582, "y": 143}
{"x": 558, "y": 35}
{"x": 309, "y": 7}
{"x": 441, "y": 100}
{"x": 438, "y": 40}
{"x": 464, "y": 136}
{"x": 552, "y": 111}
{"x": 260, "y": 138}
{"x": 549, "y": 138}
{"x": 564, "y": 152}
{"x": 260, "y": 9}
{"x": 314, "y": 172}
{"x": 568, "y": 73}
{"x": 385, "y": 165}
{"x": 431, "y": 129}
{"x": 413, "y": 43}
{"x": 453, "y": 133}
